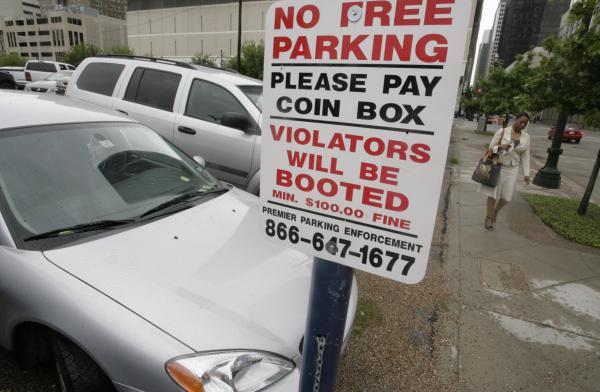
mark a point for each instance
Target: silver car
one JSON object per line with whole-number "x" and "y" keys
{"x": 128, "y": 265}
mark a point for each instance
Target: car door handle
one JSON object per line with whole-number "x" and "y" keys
{"x": 186, "y": 130}
{"x": 122, "y": 111}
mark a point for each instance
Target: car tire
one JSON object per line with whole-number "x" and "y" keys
{"x": 577, "y": 141}
{"x": 6, "y": 86}
{"x": 75, "y": 370}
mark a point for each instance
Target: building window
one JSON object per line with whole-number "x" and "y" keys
{"x": 81, "y": 37}
{"x": 44, "y": 32}
{"x": 56, "y": 19}
{"x": 30, "y": 22}
{"x": 21, "y": 33}
{"x": 70, "y": 38}
{"x": 46, "y": 54}
{"x": 46, "y": 43}
{"x": 23, "y": 44}
{"x": 33, "y": 44}
{"x": 42, "y": 21}
{"x": 20, "y": 23}
{"x": 31, "y": 33}
{"x": 62, "y": 38}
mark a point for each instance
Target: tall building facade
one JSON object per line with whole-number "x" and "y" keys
{"x": 14, "y": 8}
{"x": 551, "y": 21}
{"x": 180, "y": 29}
{"x": 51, "y": 36}
{"x": 526, "y": 24}
{"x": 496, "y": 32}
{"x": 113, "y": 8}
{"x": 484, "y": 54}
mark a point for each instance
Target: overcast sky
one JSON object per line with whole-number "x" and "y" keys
{"x": 487, "y": 21}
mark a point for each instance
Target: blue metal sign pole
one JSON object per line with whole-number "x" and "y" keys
{"x": 324, "y": 334}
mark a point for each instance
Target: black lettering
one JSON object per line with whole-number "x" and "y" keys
{"x": 412, "y": 114}
{"x": 410, "y": 86}
{"x": 323, "y": 83}
{"x": 280, "y": 103}
{"x": 366, "y": 111}
{"x": 357, "y": 83}
{"x": 304, "y": 81}
{"x": 430, "y": 84}
{"x": 340, "y": 82}
{"x": 276, "y": 78}
{"x": 397, "y": 112}
{"x": 391, "y": 82}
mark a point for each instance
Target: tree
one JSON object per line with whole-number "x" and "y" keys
{"x": 12, "y": 59}
{"x": 203, "y": 59}
{"x": 567, "y": 78}
{"x": 471, "y": 102}
{"x": 252, "y": 60}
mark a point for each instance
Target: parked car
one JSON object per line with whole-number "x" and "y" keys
{"x": 51, "y": 83}
{"x": 209, "y": 112}
{"x": 570, "y": 134}
{"x": 18, "y": 74}
{"x": 39, "y": 70}
{"x": 7, "y": 81}
{"x": 131, "y": 267}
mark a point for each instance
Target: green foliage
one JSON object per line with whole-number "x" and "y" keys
{"x": 252, "y": 60}
{"x": 561, "y": 215}
{"x": 80, "y": 52}
{"x": 502, "y": 91}
{"x": 471, "y": 101}
{"x": 12, "y": 59}
{"x": 203, "y": 59}
{"x": 567, "y": 77}
{"x": 367, "y": 315}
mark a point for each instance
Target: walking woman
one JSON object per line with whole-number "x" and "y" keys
{"x": 512, "y": 145}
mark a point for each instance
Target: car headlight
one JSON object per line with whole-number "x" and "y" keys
{"x": 228, "y": 371}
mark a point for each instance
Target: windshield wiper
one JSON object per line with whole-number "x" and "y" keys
{"x": 93, "y": 226}
{"x": 183, "y": 199}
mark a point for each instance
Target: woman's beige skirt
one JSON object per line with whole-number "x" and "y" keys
{"x": 506, "y": 185}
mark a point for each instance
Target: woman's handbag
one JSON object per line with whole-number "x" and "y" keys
{"x": 487, "y": 171}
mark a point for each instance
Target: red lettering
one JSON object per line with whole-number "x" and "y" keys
{"x": 286, "y": 18}
{"x": 333, "y": 187}
{"x": 315, "y": 16}
{"x": 402, "y": 12}
{"x": 310, "y": 182}
{"x": 420, "y": 153}
{"x": 396, "y": 147}
{"x": 379, "y": 146}
{"x": 352, "y": 46}
{"x": 392, "y": 200}
{"x": 281, "y": 45}
{"x": 372, "y": 197}
{"x": 301, "y": 49}
{"x": 277, "y": 134}
{"x": 326, "y": 44}
{"x": 284, "y": 178}
{"x": 439, "y": 53}
{"x": 378, "y": 10}
{"x": 296, "y": 158}
{"x": 389, "y": 175}
{"x": 432, "y": 11}
{"x": 368, "y": 171}
{"x": 392, "y": 45}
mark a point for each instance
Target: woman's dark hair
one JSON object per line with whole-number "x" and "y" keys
{"x": 524, "y": 114}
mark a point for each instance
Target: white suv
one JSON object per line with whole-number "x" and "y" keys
{"x": 208, "y": 112}
{"x": 39, "y": 70}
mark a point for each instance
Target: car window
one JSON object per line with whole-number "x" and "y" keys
{"x": 208, "y": 101}
{"x": 90, "y": 172}
{"x": 154, "y": 88}
{"x": 41, "y": 67}
{"x": 63, "y": 67}
{"x": 100, "y": 78}
{"x": 70, "y": 68}
{"x": 255, "y": 93}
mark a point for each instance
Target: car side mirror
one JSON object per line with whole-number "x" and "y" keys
{"x": 236, "y": 120}
{"x": 199, "y": 160}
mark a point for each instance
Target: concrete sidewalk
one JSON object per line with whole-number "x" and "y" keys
{"x": 527, "y": 309}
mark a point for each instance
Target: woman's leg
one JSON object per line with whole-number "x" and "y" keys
{"x": 489, "y": 219}
{"x": 500, "y": 205}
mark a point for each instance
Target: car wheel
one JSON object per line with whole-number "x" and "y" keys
{"x": 7, "y": 86}
{"x": 577, "y": 141}
{"x": 75, "y": 370}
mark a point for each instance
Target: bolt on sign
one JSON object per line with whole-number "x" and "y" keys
{"x": 358, "y": 105}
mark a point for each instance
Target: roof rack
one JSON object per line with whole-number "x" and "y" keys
{"x": 144, "y": 58}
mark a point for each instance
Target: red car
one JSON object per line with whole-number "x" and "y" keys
{"x": 570, "y": 134}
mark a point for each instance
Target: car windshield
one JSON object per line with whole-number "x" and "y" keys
{"x": 254, "y": 93}
{"x": 55, "y": 177}
{"x": 60, "y": 75}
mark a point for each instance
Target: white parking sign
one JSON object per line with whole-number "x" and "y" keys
{"x": 359, "y": 98}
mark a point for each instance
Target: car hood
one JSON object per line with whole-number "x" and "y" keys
{"x": 205, "y": 275}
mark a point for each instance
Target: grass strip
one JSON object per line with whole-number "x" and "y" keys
{"x": 561, "y": 215}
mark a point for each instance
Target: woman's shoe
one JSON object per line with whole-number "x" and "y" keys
{"x": 489, "y": 223}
